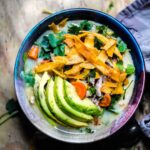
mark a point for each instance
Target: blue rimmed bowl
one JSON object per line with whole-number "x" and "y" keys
{"x": 35, "y": 116}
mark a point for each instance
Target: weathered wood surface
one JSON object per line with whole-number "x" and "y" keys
{"x": 17, "y": 17}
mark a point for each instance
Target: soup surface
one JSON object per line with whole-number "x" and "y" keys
{"x": 80, "y": 75}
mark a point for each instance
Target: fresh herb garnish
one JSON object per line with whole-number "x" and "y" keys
{"x": 102, "y": 29}
{"x": 92, "y": 90}
{"x": 130, "y": 69}
{"x": 51, "y": 43}
{"x": 92, "y": 73}
{"x": 74, "y": 29}
{"x": 87, "y": 130}
{"x": 12, "y": 110}
{"x": 44, "y": 55}
{"x": 84, "y": 25}
{"x": 97, "y": 43}
{"x": 120, "y": 65}
{"x": 28, "y": 78}
{"x": 125, "y": 90}
{"x": 122, "y": 46}
{"x": 110, "y": 6}
{"x": 60, "y": 50}
{"x": 25, "y": 56}
{"x": 114, "y": 99}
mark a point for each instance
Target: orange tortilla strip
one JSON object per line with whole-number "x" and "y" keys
{"x": 63, "y": 22}
{"x": 106, "y": 90}
{"x": 111, "y": 50}
{"x": 110, "y": 84}
{"x": 89, "y": 41}
{"x": 48, "y": 66}
{"x": 54, "y": 27}
{"x": 119, "y": 89}
{"x": 103, "y": 56}
{"x": 117, "y": 53}
{"x": 109, "y": 44}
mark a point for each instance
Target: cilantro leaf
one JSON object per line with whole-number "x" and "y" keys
{"x": 97, "y": 43}
{"x": 44, "y": 55}
{"x": 122, "y": 46}
{"x": 60, "y": 50}
{"x": 74, "y": 29}
{"x": 52, "y": 40}
{"x": 28, "y": 78}
{"x": 11, "y": 106}
{"x": 120, "y": 65}
{"x": 102, "y": 29}
{"x": 86, "y": 25}
{"x": 130, "y": 69}
{"x": 92, "y": 90}
{"x": 25, "y": 56}
{"x": 92, "y": 73}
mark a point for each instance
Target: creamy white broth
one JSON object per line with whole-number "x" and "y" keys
{"x": 108, "y": 117}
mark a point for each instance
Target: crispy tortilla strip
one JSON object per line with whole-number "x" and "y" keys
{"x": 117, "y": 53}
{"x": 89, "y": 41}
{"x": 103, "y": 56}
{"x": 87, "y": 65}
{"x": 63, "y": 23}
{"x": 59, "y": 73}
{"x": 83, "y": 75}
{"x": 106, "y": 90}
{"x": 74, "y": 70}
{"x": 109, "y": 44}
{"x": 54, "y": 27}
{"x": 60, "y": 59}
{"x": 67, "y": 50}
{"x": 110, "y": 84}
{"x": 97, "y": 76}
{"x": 114, "y": 74}
{"x": 82, "y": 35}
{"x": 101, "y": 37}
{"x": 119, "y": 89}
{"x": 111, "y": 50}
{"x": 48, "y": 66}
{"x": 74, "y": 59}
{"x": 123, "y": 76}
{"x": 69, "y": 42}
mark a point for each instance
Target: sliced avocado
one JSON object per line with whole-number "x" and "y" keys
{"x": 35, "y": 90}
{"x": 42, "y": 98}
{"x": 51, "y": 99}
{"x": 62, "y": 103}
{"x": 85, "y": 106}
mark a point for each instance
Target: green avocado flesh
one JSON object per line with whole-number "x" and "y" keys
{"x": 35, "y": 90}
{"x": 86, "y": 105}
{"x": 51, "y": 99}
{"x": 42, "y": 97}
{"x": 59, "y": 93}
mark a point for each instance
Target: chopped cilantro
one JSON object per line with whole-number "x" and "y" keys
{"x": 125, "y": 90}
{"x": 110, "y": 6}
{"x": 60, "y": 50}
{"x": 97, "y": 43}
{"x": 44, "y": 55}
{"x": 120, "y": 65}
{"x": 102, "y": 29}
{"x": 25, "y": 56}
{"x": 122, "y": 46}
{"x": 87, "y": 130}
{"x": 74, "y": 29}
{"x": 114, "y": 99}
{"x": 28, "y": 78}
{"x": 92, "y": 90}
{"x": 130, "y": 69}
{"x": 86, "y": 25}
{"x": 92, "y": 73}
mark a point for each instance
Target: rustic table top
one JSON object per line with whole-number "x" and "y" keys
{"x": 17, "y": 17}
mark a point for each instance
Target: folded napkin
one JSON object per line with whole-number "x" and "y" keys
{"x": 136, "y": 17}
